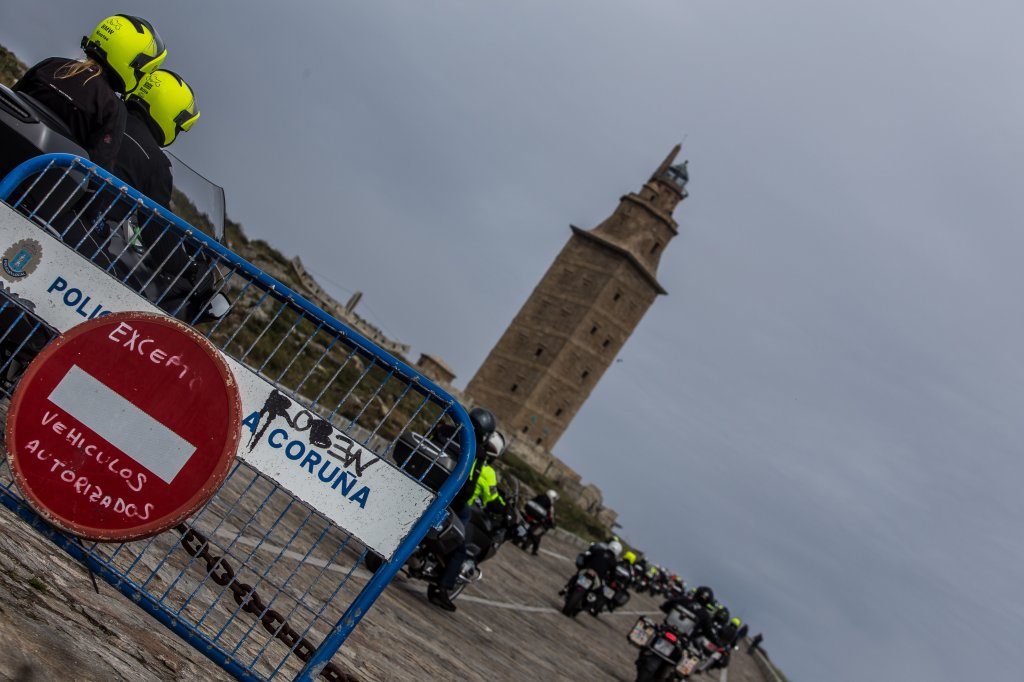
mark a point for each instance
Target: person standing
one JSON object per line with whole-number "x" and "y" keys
{"x": 542, "y": 507}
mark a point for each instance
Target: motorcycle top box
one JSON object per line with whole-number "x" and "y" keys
{"x": 424, "y": 460}
{"x": 681, "y": 620}
{"x": 535, "y": 510}
{"x": 642, "y": 632}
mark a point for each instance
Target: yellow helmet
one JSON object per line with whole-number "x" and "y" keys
{"x": 630, "y": 557}
{"x": 168, "y": 103}
{"x": 129, "y": 46}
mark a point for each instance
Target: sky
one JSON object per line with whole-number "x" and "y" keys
{"x": 821, "y": 418}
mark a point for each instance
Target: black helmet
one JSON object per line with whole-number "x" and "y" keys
{"x": 483, "y": 422}
{"x": 721, "y": 616}
{"x": 704, "y": 595}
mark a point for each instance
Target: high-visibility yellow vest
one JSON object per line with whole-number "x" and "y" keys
{"x": 486, "y": 486}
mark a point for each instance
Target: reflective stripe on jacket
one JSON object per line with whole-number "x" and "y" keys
{"x": 486, "y": 486}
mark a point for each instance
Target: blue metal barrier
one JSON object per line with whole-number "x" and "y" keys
{"x": 259, "y": 574}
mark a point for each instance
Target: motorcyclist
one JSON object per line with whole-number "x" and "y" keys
{"x": 696, "y": 603}
{"x": 83, "y": 94}
{"x": 730, "y": 633}
{"x": 625, "y": 563}
{"x": 674, "y": 586}
{"x": 640, "y": 568}
{"x": 741, "y": 633}
{"x": 724, "y": 635}
{"x": 163, "y": 106}
{"x": 546, "y": 502}
{"x": 160, "y": 108}
{"x": 481, "y": 487}
{"x": 601, "y": 557}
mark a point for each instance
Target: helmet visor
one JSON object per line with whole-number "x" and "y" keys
{"x": 184, "y": 120}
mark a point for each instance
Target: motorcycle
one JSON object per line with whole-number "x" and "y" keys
{"x": 582, "y": 592}
{"x": 178, "y": 276}
{"x": 533, "y": 524}
{"x": 710, "y": 654}
{"x": 666, "y": 649}
{"x": 642, "y": 583}
{"x": 485, "y": 532}
{"x": 616, "y": 593}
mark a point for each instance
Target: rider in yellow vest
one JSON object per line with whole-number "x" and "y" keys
{"x": 485, "y": 492}
{"x": 486, "y": 489}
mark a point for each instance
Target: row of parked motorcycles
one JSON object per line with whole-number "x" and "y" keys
{"x": 673, "y": 649}
{"x": 657, "y": 583}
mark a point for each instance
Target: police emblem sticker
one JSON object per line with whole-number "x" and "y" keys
{"x": 20, "y": 259}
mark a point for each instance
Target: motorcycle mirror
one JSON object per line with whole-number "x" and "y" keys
{"x": 218, "y": 306}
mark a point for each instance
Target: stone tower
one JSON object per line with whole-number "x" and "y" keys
{"x": 579, "y": 316}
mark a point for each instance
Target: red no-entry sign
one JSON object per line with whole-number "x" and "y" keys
{"x": 123, "y": 427}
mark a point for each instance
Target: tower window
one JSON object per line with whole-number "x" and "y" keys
{"x": 538, "y": 353}
{"x": 514, "y": 387}
{"x": 525, "y": 429}
{"x": 606, "y": 342}
{"x": 538, "y": 441}
{"x": 586, "y": 373}
{"x": 657, "y": 245}
{"x": 558, "y": 412}
{"x": 617, "y": 296}
{"x": 593, "y": 330}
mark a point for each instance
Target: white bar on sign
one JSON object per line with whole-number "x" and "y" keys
{"x": 122, "y": 424}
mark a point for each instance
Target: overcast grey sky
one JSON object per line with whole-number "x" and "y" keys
{"x": 822, "y": 418}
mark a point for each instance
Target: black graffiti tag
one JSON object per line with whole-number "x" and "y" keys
{"x": 277, "y": 406}
{"x": 349, "y": 452}
{"x": 319, "y": 431}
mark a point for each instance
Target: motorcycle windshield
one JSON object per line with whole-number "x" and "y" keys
{"x": 196, "y": 200}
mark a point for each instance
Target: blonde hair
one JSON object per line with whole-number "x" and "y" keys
{"x": 72, "y": 69}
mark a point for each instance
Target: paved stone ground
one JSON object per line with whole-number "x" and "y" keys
{"x": 54, "y": 626}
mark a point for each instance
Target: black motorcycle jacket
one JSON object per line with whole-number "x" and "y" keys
{"x": 599, "y": 558}
{"x": 142, "y": 163}
{"x": 86, "y": 103}
{"x": 726, "y": 636}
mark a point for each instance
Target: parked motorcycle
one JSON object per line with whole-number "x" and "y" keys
{"x": 641, "y": 583}
{"x": 618, "y": 582}
{"x": 533, "y": 524}
{"x": 666, "y": 651}
{"x": 582, "y": 592}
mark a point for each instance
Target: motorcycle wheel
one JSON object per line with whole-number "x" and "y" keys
{"x": 648, "y": 668}
{"x": 573, "y": 603}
